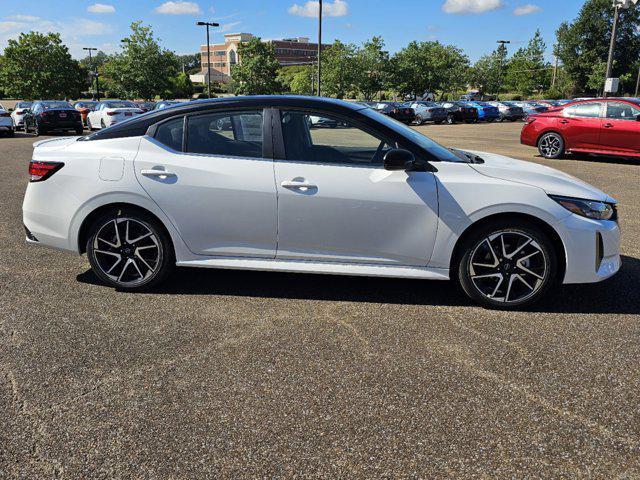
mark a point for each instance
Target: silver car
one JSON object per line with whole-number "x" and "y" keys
{"x": 509, "y": 111}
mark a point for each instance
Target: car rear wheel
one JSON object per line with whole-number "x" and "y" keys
{"x": 451, "y": 119}
{"x": 419, "y": 119}
{"x": 506, "y": 265}
{"x": 102, "y": 124}
{"x": 129, "y": 250}
{"x": 551, "y": 145}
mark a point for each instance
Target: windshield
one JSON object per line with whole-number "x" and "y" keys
{"x": 120, "y": 105}
{"x": 50, "y": 105}
{"x": 434, "y": 148}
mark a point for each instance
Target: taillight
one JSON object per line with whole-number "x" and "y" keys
{"x": 529, "y": 120}
{"x": 39, "y": 171}
{"x": 20, "y": 112}
{"x": 111, "y": 114}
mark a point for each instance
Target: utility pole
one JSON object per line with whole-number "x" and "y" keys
{"x": 95, "y": 71}
{"x": 319, "y": 41}
{"x": 617, "y": 6}
{"x": 637, "y": 83}
{"x": 555, "y": 66}
{"x": 502, "y": 43}
{"x": 208, "y": 24}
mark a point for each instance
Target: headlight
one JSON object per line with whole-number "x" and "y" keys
{"x": 587, "y": 208}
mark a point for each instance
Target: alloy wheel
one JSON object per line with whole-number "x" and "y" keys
{"x": 127, "y": 251}
{"x": 508, "y": 267}
{"x": 550, "y": 146}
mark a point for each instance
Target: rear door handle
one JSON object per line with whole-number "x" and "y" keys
{"x": 292, "y": 185}
{"x": 608, "y": 125}
{"x": 157, "y": 172}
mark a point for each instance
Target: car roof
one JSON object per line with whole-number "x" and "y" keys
{"x": 139, "y": 125}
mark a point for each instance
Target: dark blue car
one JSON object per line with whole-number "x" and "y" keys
{"x": 486, "y": 112}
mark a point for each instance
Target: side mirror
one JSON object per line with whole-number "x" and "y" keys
{"x": 399, "y": 159}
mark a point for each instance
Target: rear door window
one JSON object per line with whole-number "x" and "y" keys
{"x": 170, "y": 133}
{"x": 235, "y": 134}
{"x": 584, "y": 110}
{"x": 622, "y": 111}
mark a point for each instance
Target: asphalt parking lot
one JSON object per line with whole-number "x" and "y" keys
{"x": 250, "y": 374}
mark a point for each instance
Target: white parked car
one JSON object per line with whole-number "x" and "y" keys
{"x": 6, "y": 122}
{"x": 373, "y": 198}
{"x": 18, "y": 113}
{"x": 110, "y": 112}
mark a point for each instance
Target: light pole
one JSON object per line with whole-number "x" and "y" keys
{"x": 617, "y": 6}
{"x": 319, "y": 41}
{"x": 503, "y": 44}
{"x": 95, "y": 71}
{"x": 208, "y": 24}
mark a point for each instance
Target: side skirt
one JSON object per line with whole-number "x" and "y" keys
{"x": 302, "y": 266}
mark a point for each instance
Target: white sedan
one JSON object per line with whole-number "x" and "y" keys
{"x": 372, "y": 198}
{"x": 18, "y": 113}
{"x": 6, "y": 122}
{"x": 110, "y": 112}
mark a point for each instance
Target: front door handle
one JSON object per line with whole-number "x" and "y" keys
{"x": 564, "y": 121}
{"x": 157, "y": 172}
{"x": 293, "y": 185}
{"x": 608, "y": 125}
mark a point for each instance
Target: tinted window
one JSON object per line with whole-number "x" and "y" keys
{"x": 622, "y": 111}
{"x": 170, "y": 133}
{"x": 236, "y": 134}
{"x": 588, "y": 110}
{"x": 49, "y": 105}
{"x": 320, "y": 138}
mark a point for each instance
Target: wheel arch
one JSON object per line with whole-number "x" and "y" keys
{"x": 533, "y": 220}
{"x": 83, "y": 232}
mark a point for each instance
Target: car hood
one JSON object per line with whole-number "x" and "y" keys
{"x": 552, "y": 181}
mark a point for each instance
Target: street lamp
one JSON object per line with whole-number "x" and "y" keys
{"x": 95, "y": 71}
{"x": 208, "y": 24}
{"x": 319, "y": 41}
{"x": 502, "y": 43}
{"x": 617, "y": 6}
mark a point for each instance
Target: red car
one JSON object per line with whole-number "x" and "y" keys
{"x": 605, "y": 126}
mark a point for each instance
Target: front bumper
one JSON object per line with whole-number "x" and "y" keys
{"x": 592, "y": 249}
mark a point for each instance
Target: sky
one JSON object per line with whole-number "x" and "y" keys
{"x": 473, "y": 25}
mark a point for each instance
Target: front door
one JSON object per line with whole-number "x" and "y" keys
{"x": 337, "y": 203}
{"x": 621, "y": 128}
{"x": 215, "y": 186}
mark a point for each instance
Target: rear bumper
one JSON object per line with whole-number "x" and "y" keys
{"x": 592, "y": 249}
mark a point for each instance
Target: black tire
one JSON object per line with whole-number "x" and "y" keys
{"x": 79, "y": 131}
{"x": 161, "y": 267}
{"x": 419, "y": 119}
{"x": 11, "y": 133}
{"x": 451, "y": 119}
{"x": 490, "y": 120}
{"x": 438, "y": 122}
{"x": 102, "y": 124}
{"x": 515, "y": 231}
{"x": 36, "y": 130}
{"x": 551, "y": 145}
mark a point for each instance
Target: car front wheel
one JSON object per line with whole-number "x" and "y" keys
{"x": 551, "y": 145}
{"x": 129, "y": 250}
{"x": 507, "y": 265}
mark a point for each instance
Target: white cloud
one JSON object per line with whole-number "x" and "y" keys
{"x": 527, "y": 9}
{"x": 101, "y": 8}
{"x": 226, "y": 27}
{"x": 471, "y": 6}
{"x": 179, "y": 8}
{"x": 339, "y": 8}
{"x": 23, "y": 18}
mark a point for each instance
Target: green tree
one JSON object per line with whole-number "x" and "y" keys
{"x": 189, "y": 63}
{"x": 38, "y": 65}
{"x": 256, "y": 74}
{"x": 428, "y": 67}
{"x": 339, "y": 69}
{"x": 583, "y": 45}
{"x": 372, "y": 68}
{"x": 142, "y": 69}
{"x": 527, "y": 71}
{"x": 487, "y": 74}
{"x": 181, "y": 86}
{"x": 296, "y": 79}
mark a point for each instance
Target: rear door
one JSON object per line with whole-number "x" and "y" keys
{"x": 621, "y": 128}
{"x": 215, "y": 182}
{"x": 580, "y": 126}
